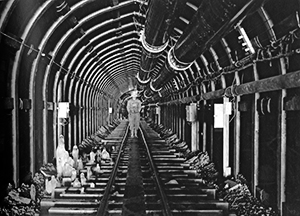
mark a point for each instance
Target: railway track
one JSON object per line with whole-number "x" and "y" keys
{"x": 147, "y": 178}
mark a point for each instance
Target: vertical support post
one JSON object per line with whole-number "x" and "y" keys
{"x": 101, "y": 111}
{"x": 181, "y": 116}
{"x": 237, "y": 143}
{"x": 165, "y": 122}
{"x": 79, "y": 114}
{"x": 175, "y": 116}
{"x": 194, "y": 129}
{"x": 204, "y": 131}
{"x": 59, "y": 99}
{"x": 158, "y": 112}
{"x": 55, "y": 125}
{"x": 96, "y": 111}
{"x": 84, "y": 131}
{"x": 45, "y": 134}
{"x": 83, "y": 118}
{"x": 162, "y": 113}
{"x": 256, "y": 137}
{"x": 211, "y": 131}
{"x": 283, "y": 143}
{"x": 167, "y": 115}
{"x": 88, "y": 112}
{"x": 170, "y": 114}
{"x": 172, "y": 117}
{"x": 195, "y": 135}
{"x": 178, "y": 119}
{"x": 108, "y": 113}
{"x": 226, "y": 168}
{"x": 92, "y": 112}
{"x": 211, "y": 123}
{"x": 75, "y": 125}
{"x": 183, "y": 122}
{"x": 83, "y": 112}
{"x": 15, "y": 140}
{"x": 69, "y": 126}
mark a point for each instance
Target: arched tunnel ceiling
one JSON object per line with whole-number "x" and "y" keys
{"x": 98, "y": 42}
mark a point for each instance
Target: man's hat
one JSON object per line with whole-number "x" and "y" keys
{"x": 134, "y": 93}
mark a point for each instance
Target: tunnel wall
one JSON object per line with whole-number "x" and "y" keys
{"x": 43, "y": 63}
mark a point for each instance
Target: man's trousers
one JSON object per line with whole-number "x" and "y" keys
{"x": 134, "y": 122}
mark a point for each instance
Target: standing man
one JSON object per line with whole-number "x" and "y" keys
{"x": 134, "y": 107}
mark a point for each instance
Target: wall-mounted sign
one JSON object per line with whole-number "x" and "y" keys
{"x": 63, "y": 110}
{"x": 191, "y": 112}
{"x": 218, "y": 115}
{"x": 50, "y": 105}
{"x": 157, "y": 110}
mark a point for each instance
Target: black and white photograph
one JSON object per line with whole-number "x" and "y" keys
{"x": 150, "y": 107}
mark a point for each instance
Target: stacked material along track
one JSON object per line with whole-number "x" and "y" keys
{"x": 186, "y": 194}
{"x": 147, "y": 178}
{"x": 123, "y": 189}
{"x": 84, "y": 200}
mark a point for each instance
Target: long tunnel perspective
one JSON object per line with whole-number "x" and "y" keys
{"x": 224, "y": 75}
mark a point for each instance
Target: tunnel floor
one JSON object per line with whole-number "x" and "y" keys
{"x": 144, "y": 177}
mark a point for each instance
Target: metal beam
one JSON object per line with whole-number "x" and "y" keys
{"x": 286, "y": 81}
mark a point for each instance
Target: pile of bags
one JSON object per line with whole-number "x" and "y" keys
{"x": 197, "y": 160}
{"x": 89, "y": 143}
{"x": 234, "y": 191}
{"x": 240, "y": 199}
{"x": 171, "y": 138}
{"x": 204, "y": 167}
{"x": 24, "y": 200}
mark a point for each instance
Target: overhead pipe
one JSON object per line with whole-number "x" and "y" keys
{"x": 213, "y": 19}
{"x": 155, "y": 37}
{"x": 286, "y": 81}
{"x": 156, "y": 97}
{"x": 145, "y": 94}
{"x": 146, "y": 98}
{"x": 275, "y": 83}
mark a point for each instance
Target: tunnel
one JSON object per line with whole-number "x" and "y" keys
{"x": 223, "y": 75}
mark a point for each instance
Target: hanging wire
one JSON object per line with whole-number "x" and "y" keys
{"x": 142, "y": 10}
{"x": 234, "y": 109}
{"x": 281, "y": 47}
{"x": 263, "y": 23}
{"x": 137, "y": 24}
{"x": 53, "y": 62}
{"x": 209, "y": 77}
{"x": 224, "y": 59}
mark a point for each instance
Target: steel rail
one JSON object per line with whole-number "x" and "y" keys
{"x": 104, "y": 201}
{"x": 165, "y": 203}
